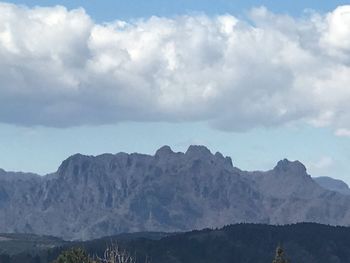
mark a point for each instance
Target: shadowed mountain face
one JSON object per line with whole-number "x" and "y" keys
{"x": 90, "y": 197}
{"x": 333, "y": 184}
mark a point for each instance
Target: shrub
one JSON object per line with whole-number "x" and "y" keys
{"x": 74, "y": 255}
{"x": 112, "y": 254}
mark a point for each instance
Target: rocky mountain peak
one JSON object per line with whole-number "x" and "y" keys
{"x": 164, "y": 151}
{"x": 198, "y": 151}
{"x": 219, "y": 155}
{"x": 76, "y": 158}
{"x": 71, "y": 164}
{"x": 227, "y": 160}
{"x": 286, "y": 166}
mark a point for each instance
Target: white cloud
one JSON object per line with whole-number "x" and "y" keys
{"x": 324, "y": 166}
{"x": 323, "y": 162}
{"x": 59, "y": 68}
{"x": 342, "y": 132}
{"x": 338, "y": 30}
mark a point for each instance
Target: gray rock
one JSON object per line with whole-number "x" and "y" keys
{"x": 89, "y": 197}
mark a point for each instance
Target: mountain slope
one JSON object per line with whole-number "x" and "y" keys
{"x": 333, "y": 184}
{"x": 242, "y": 243}
{"x": 248, "y": 243}
{"x": 89, "y": 197}
{"x": 13, "y": 244}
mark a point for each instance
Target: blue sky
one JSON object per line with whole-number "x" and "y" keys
{"x": 42, "y": 123}
{"x": 115, "y": 9}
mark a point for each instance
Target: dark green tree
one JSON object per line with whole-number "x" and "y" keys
{"x": 279, "y": 257}
{"x": 74, "y": 255}
{"x": 5, "y": 258}
{"x": 112, "y": 254}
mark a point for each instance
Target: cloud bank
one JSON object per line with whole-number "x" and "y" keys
{"x": 59, "y": 68}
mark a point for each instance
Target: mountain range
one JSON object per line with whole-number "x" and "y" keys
{"x": 333, "y": 184}
{"x": 94, "y": 196}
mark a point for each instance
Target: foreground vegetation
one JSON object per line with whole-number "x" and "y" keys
{"x": 243, "y": 243}
{"x": 112, "y": 254}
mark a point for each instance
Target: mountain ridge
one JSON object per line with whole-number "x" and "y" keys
{"x": 93, "y": 196}
{"x": 332, "y": 184}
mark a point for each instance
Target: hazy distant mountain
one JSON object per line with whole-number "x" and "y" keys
{"x": 333, "y": 184}
{"x": 90, "y": 197}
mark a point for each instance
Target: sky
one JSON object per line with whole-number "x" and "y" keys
{"x": 256, "y": 80}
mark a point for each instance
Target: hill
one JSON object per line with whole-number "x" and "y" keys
{"x": 241, "y": 243}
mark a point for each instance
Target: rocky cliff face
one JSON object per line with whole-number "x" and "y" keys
{"x": 90, "y": 197}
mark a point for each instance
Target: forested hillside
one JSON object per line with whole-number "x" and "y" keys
{"x": 242, "y": 243}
